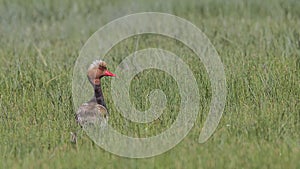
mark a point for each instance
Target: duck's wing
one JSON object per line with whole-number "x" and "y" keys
{"x": 91, "y": 114}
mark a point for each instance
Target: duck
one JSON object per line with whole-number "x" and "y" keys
{"x": 95, "y": 110}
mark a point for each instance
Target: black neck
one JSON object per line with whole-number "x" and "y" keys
{"x": 99, "y": 95}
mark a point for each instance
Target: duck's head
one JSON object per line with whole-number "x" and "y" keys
{"x": 98, "y": 70}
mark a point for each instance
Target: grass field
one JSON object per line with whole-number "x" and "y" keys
{"x": 259, "y": 45}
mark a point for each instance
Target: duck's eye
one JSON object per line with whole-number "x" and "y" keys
{"x": 102, "y": 67}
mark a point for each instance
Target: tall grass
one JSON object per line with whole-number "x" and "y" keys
{"x": 259, "y": 45}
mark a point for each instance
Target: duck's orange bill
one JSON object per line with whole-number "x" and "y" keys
{"x": 108, "y": 73}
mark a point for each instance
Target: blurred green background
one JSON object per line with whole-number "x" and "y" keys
{"x": 258, "y": 43}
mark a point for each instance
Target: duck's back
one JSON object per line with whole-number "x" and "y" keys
{"x": 91, "y": 113}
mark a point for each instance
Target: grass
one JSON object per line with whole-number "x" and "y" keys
{"x": 259, "y": 45}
